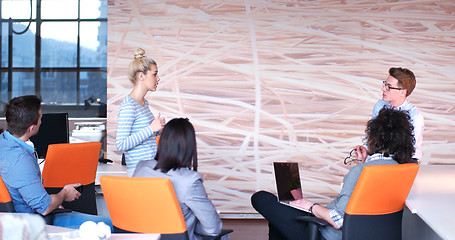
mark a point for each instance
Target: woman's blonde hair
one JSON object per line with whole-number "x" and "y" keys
{"x": 140, "y": 63}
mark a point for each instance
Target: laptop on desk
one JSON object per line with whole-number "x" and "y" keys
{"x": 287, "y": 182}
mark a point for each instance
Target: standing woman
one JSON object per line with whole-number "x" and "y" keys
{"x": 177, "y": 161}
{"x": 137, "y": 128}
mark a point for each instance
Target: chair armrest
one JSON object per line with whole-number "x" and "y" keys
{"x": 217, "y": 237}
{"x": 318, "y": 221}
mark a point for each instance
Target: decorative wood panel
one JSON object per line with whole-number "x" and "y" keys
{"x": 266, "y": 81}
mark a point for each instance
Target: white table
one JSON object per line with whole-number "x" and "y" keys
{"x": 432, "y": 198}
{"x": 114, "y": 169}
{"x": 59, "y": 233}
{"x": 65, "y": 233}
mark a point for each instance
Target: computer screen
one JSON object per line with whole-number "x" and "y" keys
{"x": 54, "y": 129}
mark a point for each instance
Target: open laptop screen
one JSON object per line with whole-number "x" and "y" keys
{"x": 287, "y": 179}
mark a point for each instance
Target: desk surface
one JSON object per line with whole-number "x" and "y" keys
{"x": 114, "y": 169}
{"x": 432, "y": 198}
{"x": 54, "y": 232}
{"x": 59, "y": 233}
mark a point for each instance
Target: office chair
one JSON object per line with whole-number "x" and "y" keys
{"x": 68, "y": 163}
{"x": 7, "y": 230}
{"x": 145, "y": 205}
{"x": 157, "y": 140}
{"x": 6, "y": 204}
{"x": 375, "y": 209}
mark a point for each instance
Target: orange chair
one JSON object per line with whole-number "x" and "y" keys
{"x": 375, "y": 209}
{"x": 145, "y": 205}
{"x": 157, "y": 140}
{"x": 68, "y": 163}
{"x": 6, "y": 204}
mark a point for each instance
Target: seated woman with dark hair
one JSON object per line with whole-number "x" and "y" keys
{"x": 390, "y": 141}
{"x": 176, "y": 155}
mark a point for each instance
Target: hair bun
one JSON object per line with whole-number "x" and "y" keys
{"x": 139, "y": 53}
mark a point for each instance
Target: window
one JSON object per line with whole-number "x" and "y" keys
{"x": 56, "y": 49}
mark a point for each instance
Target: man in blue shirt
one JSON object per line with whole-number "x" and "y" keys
{"x": 20, "y": 171}
{"x": 395, "y": 89}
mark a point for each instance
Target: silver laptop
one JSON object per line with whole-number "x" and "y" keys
{"x": 287, "y": 182}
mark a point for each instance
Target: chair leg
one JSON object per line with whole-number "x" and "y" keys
{"x": 313, "y": 232}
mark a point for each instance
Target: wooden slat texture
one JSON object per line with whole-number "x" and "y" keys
{"x": 266, "y": 81}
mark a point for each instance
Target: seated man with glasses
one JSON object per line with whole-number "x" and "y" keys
{"x": 395, "y": 89}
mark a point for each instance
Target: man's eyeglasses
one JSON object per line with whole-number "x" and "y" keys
{"x": 388, "y": 87}
{"x": 351, "y": 157}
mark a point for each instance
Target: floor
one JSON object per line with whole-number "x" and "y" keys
{"x": 251, "y": 229}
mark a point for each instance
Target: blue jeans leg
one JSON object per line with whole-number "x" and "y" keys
{"x": 75, "y": 219}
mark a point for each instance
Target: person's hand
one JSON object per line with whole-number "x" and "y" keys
{"x": 71, "y": 193}
{"x": 301, "y": 203}
{"x": 361, "y": 154}
{"x": 158, "y": 123}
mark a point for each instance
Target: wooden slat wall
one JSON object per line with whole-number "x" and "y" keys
{"x": 266, "y": 81}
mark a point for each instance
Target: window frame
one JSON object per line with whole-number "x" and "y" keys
{"x": 78, "y": 103}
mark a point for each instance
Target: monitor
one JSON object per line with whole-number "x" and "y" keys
{"x": 54, "y": 129}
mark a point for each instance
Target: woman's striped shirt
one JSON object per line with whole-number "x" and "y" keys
{"x": 134, "y": 136}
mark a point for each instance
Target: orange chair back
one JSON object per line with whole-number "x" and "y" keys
{"x": 143, "y": 205}
{"x": 6, "y": 204}
{"x": 4, "y": 194}
{"x": 68, "y": 163}
{"x": 157, "y": 139}
{"x": 382, "y": 189}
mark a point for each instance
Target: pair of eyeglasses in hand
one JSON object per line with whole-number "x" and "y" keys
{"x": 352, "y": 157}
